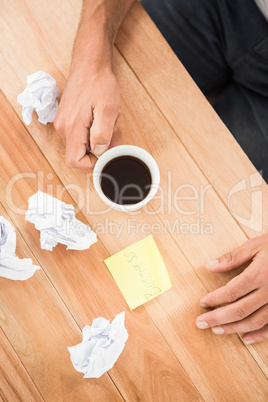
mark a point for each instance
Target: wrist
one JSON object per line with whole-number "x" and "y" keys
{"x": 82, "y": 71}
{"x": 95, "y": 53}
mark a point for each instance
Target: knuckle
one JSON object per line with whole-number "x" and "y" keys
{"x": 258, "y": 323}
{"x": 261, "y": 277}
{"x": 230, "y": 296}
{"x": 239, "y": 314}
{"x": 67, "y": 126}
{"x": 213, "y": 322}
{"x": 58, "y": 127}
{"x": 248, "y": 275}
{"x": 229, "y": 257}
{"x": 56, "y": 124}
{"x": 252, "y": 243}
{"x": 62, "y": 128}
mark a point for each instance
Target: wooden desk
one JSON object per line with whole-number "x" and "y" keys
{"x": 166, "y": 357}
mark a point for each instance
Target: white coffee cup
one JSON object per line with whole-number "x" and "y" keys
{"x": 126, "y": 150}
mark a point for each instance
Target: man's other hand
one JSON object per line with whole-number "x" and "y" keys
{"x": 242, "y": 304}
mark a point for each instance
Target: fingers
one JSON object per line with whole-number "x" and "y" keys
{"x": 244, "y": 299}
{"x": 256, "y": 336}
{"x": 235, "y": 312}
{"x": 102, "y": 128}
{"x": 254, "y": 322}
{"x": 236, "y": 288}
{"x": 76, "y": 141}
{"x": 235, "y": 258}
{"x": 88, "y": 110}
{"x": 76, "y": 150}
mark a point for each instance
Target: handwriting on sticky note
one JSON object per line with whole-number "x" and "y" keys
{"x": 140, "y": 272}
{"x": 146, "y": 277}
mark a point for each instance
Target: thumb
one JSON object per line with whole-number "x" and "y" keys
{"x": 101, "y": 130}
{"x": 233, "y": 259}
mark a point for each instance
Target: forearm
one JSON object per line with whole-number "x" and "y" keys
{"x": 100, "y": 21}
{"x": 89, "y": 106}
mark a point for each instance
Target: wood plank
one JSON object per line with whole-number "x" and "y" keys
{"x": 50, "y": 21}
{"x": 15, "y": 383}
{"x": 193, "y": 119}
{"x": 84, "y": 283}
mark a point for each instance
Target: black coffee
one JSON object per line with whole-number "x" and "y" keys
{"x": 126, "y": 180}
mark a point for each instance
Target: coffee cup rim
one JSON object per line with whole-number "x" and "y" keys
{"x": 126, "y": 150}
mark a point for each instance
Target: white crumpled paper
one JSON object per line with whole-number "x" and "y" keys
{"x": 11, "y": 266}
{"x": 41, "y": 95}
{"x": 101, "y": 346}
{"x": 57, "y": 223}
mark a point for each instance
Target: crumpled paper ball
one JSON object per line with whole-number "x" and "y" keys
{"x": 101, "y": 346}
{"x": 11, "y": 266}
{"x": 57, "y": 223}
{"x": 41, "y": 95}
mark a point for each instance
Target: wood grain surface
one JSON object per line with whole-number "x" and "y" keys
{"x": 166, "y": 357}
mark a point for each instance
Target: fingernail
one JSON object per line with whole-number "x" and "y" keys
{"x": 99, "y": 149}
{"x": 205, "y": 305}
{"x": 218, "y": 330}
{"x": 248, "y": 341}
{"x": 212, "y": 263}
{"x": 201, "y": 324}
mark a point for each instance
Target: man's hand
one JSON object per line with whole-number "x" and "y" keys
{"x": 242, "y": 304}
{"x": 89, "y": 105}
{"x": 87, "y": 115}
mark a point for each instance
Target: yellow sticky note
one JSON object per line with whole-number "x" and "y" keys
{"x": 140, "y": 272}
